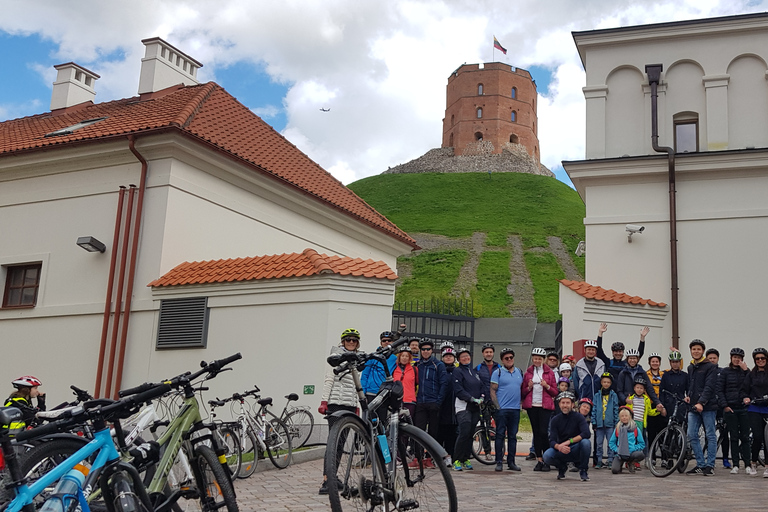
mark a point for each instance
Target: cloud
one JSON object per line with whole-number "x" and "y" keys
{"x": 381, "y": 67}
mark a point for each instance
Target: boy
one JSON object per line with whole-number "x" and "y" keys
{"x": 563, "y": 384}
{"x": 605, "y": 415}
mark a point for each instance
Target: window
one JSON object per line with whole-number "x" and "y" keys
{"x": 514, "y": 139}
{"x": 450, "y": 141}
{"x": 452, "y": 121}
{"x": 478, "y": 136}
{"x": 21, "y": 285}
{"x": 479, "y": 113}
{"x": 479, "y": 89}
{"x": 687, "y": 136}
{"x": 514, "y": 116}
{"x": 514, "y": 93}
{"x": 183, "y": 323}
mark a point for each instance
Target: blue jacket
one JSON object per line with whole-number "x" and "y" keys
{"x": 635, "y": 438}
{"x": 373, "y": 374}
{"x": 466, "y": 383}
{"x": 432, "y": 377}
{"x": 485, "y": 376}
{"x": 611, "y": 410}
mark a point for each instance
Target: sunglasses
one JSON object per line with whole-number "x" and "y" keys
{"x": 508, "y": 358}
{"x": 350, "y": 339}
{"x": 760, "y": 358}
{"x": 426, "y": 349}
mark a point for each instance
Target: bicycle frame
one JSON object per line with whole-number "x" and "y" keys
{"x": 254, "y": 422}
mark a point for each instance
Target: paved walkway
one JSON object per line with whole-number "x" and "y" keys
{"x": 295, "y": 489}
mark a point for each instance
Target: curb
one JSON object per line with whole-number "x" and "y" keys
{"x": 307, "y": 455}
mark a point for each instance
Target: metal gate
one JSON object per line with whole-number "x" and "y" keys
{"x": 439, "y": 319}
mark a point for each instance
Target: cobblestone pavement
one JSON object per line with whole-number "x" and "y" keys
{"x": 295, "y": 489}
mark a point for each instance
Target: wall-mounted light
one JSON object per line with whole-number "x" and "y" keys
{"x": 90, "y": 244}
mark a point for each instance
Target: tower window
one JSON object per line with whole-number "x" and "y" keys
{"x": 514, "y": 139}
{"x": 514, "y": 116}
{"x": 478, "y": 136}
{"x": 479, "y": 113}
{"x": 514, "y": 93}
{"x": 479, "y": 89}
{"x": 452, "y": 120}
{"x": 450, "y": 141}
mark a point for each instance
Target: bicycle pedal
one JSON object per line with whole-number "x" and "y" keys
{"x": 408, "y": 505}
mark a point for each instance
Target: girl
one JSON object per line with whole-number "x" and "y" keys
{"x": 627, "y": 442}
{"x": 26, "y": 390}
{"x": 406, "y": 373}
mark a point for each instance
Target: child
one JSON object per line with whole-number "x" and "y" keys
{"x": 605, "y": 415}
{"x": 563, "y": 384}
{"x": 626, "y": 442}
{"x": 640, "y": 404}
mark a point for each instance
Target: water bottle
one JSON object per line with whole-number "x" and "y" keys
{"x": 66, "y": 491}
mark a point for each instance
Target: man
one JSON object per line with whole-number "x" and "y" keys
{"x": 674, "y": 384}
{"x": 588, "y": 371}
{"x": 617, "y": 363}
{"x": 373, "y": 374}
{"x": 431, "y": 390}
{"x": 415, "y": 352}
{"x": 568, "y": 439}
{"x": 553, "y": 361}
{"x": 713, "y": 356}
{"x": 485, "y": 369}
{"x": 506, "y": 383}
{"x": 702, "y": 377}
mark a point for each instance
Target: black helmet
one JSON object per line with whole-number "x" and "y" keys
{"x": 490, "y": 346}
{"x": 759, "y": 350}
{"x": 404, "y": 348}
{"x": 566, "y": 394}
{"x": 713, "y": 351}
{"x": 617, "y": 345}
{"x": 640, "y": 380}
{"x": 426, "y": 341}
{"x": 387, "y": 334}
{"x": 736, "y": 351}
{"x": 697, "y": 342}
{"x": 506, "y": 351}
{"x": 553, "y": 353}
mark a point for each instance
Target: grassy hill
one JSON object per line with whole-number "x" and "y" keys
{"x": 492, "y": 238}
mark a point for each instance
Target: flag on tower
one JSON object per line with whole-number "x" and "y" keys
{"x": 497, "y": 45}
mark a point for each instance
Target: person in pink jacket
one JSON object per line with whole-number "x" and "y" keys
{"x": 539, "y": 391}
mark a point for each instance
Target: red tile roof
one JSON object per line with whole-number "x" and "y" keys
{"x": 598, "y": 293}
{"x": 306, "y": 263}
{"x": 208, "y": 114}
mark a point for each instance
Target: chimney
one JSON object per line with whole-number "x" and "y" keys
{"x": 73, "y": 86}
{"x": 164, "y": 66}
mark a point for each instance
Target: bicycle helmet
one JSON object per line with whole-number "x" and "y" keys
{"x": 448, "y": 351}
{"x": 462, "y": 350}
{"x": 569, "y": 357}
{"x": 565, "y": 367}
{"x": 713, "y": 351}
{"x": 607, "y": 375}
{"x": 387, "y": 334}
{"x": 736, "y": 351}
{"x": 506, "y": 351}
{"x": 566, "y": 394}
{"x": 590, "y": 343}
{"x": 404, "y": 348}
{"x": 446, "y": 344}
{"x": 697, "y": 342}
{"x": 632, "y": 352}
{"x": 563, "y": 379}
{"x": 640, "y": 380}
{"x": 426, "y": 341}
{"x": 27, "y": 381}
{"x": 616, "y": 346}
{"x": 586, "y": 400}
{"x": 490, "y": 346}
{"x": 350, "y": 333}
{"x": 538, "y": 351}
{"x": 654, "y": 354}
{"x": 759, "y": 350}
{"x": 675, "y": 355}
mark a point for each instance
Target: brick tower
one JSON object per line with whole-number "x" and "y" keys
{"x": 489, "y": 106}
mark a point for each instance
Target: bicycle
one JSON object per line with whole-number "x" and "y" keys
{"x": 299, "y": 421}
{"x": 484, "y": 437}
{"x": 380, "y": 461}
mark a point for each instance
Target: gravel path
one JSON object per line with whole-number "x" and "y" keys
{"x": 558, "y": 248}
{"x": 520, "y": 286}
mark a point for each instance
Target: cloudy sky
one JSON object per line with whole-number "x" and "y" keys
{"x": 381, "y": 66}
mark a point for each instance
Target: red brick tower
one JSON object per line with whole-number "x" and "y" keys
{"x": 495, "y": 103}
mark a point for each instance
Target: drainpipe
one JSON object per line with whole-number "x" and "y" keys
{"x": 654, "y": 76}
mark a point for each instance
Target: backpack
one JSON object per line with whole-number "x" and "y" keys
{"x": 619, "y": 424}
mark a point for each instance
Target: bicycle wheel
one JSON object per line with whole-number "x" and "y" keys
{"x": 230, "y": 442}
{"x": 668, "y": 451}
{"x": 250, "y": 453}
{"x": 484, "y": 437}
{"x": 353, "y": 483}
{"x": 278, "y": 441}
{"x": 213, "y": 484}
{"x": 424, "y": 481}
{"x": 300, "y": 424}
{"x": 44, "y": 457}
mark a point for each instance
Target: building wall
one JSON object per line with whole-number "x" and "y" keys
{"x": 462, "y": 101}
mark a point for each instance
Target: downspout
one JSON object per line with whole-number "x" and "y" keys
{"x": 654, "y": 76}
{"x": 110, "y": 289}
{"x": 132, "y": 269}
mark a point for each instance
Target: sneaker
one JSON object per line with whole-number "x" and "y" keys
{"x": 513, "y": 467}
{"x": 735, "y": 470}
{"x": 727, "y": 464}
{"x": 545, "y": 467}
{"x": 637, "y": 465}
{"x": 584, "y": 475}
{"x": 531, "y": 456}
{"x": 323, "y": 489}
{"x": 428, "y": 464}
{"x": 631, "y": 468}
{"x": 708, "y": 471}
{"x": 765, "y": 473}
{"x": 499, "y": 466}
{"x": 414, "y": 463}
{"x": 561, "y": 474}
{"x": 751, "y": 471}
{"x": 695, "y": 471}
{"x": 468, "y": 465}
{"x": 599, "y": 465}
{"x": 457, "y": 466}
{"x": 538, "y": 465}
{"x": 572, "y": 467}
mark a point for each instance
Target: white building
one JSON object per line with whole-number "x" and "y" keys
{"x": 713, "y": 110}
{"x": 205, "y": 180}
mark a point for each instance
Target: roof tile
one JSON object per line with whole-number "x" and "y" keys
{"x": 598, "y": 293}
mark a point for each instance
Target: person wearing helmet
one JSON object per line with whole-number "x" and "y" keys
{"x": 585, "y": 408}
{"x": 339, "y": 392}
{"x": 617, "y": 363}
{"x": 674, "y": 385}
{"x": 588, "y": 371}
{"x": 568, "y": 438}
{"x": 446, "y": 433}
{"x": 374, "y": 373}
{"x": 562, "y": 384}
{"x": 642, "y": 408}
{"x": 486, "y": 368}
{"x": 415, "y": 350}
{"x": 405, "y": 372}
{"x": 506, "y": 384}
{"x": 568, "y": 358}
{"x": 553, "y": 361}
{"x": 753, "y": 393}
{"x": 431, "y": 390}
{"x": 627, "y": 442}
{"x": 713, "y": 356}
{"x": 538, "y": 392}
{"x": 469, "y": 395}
{"x": 702, "y": 387}
{"x": 629, "y": 375}
{"x": 729, "y": 384}
{"x": 26, "y": 388}
{"x": 605, "y": 414}
{"x": 654, "y": 375}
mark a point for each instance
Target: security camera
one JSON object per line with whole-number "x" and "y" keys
{"x": 634, "y": 228}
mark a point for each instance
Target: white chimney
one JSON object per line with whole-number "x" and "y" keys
{"x": 73, "y": 86}
{"x": 164, "y": 66}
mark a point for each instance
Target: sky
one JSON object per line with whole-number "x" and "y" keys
{"x": 381, "y": 67}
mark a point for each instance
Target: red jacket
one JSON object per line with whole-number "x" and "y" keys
{"x": 547, "y": 396}
{"x": 409, "y": 382}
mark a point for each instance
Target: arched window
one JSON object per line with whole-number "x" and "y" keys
{"x": 479, "y": 113}
{"x": 514, "y": 116}
{"x": 451, "y": 119}
{"x": 478, "y": 136}
{"x": 479, "y": 89}
{"x": 450, "y": 141}
{"x": 514, "y": 93}
{"x": 514, "y": 139}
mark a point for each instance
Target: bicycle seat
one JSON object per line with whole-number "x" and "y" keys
{"x": 292, "y": 397}
{"x": 265, "y": 401}
{"x": 216, "y": 403}
{"x": 9, "y": 415}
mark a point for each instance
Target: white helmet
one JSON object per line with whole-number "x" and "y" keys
{"x": 590, "y": 343}
{"x": 538, "y": 351}
{"x": 565, "y": 367}
{"x": 632, "y": 352}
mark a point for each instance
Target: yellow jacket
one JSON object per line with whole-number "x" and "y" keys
{"x": 649, "y": 410}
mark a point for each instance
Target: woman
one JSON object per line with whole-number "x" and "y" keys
{"x": 447, "y": 430}
{"x": 469, "y": 391}
{"x": 655, "y": 423}
{"x": 339, "y": 392}
{"x": 729, "y": 384}
{"x": 405, "y": 372}
{"x": 539, "y": 390}
{"x": 26, "y": 390}
{"x": 756, "y": 387}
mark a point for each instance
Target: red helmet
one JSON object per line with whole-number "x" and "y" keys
{"x": 27, "y": 381}
{"x": 586, "y": 400}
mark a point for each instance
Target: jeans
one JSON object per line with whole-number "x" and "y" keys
{"x": 580, "y": 453}
{"x": 738, "y": 428}
{"x": 467, "y": 422}
{"x": 603, "y": 435}
{"x": 507, "y": 421}
{"x": 695, "y": 420}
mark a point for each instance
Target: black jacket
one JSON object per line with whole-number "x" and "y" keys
{"x": 702, "y": 384}
{"x": 626, "y": 384}
{"x": 729, "y": 384}
{"x": 467, "y": 384}
{"x": 755, "y": 385}
{"x": 485, "y": 376}
{"x": 447, "y": 408}
{"x": 677, "y": 384}
{"x": 564, "y": 426}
